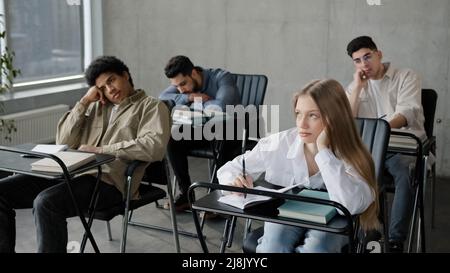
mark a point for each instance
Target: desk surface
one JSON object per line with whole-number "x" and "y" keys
{"x": 14, "y": 162}
{"x": 209, "y": 203}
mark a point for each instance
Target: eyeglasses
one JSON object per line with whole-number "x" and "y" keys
{"x": 366, "y": 58}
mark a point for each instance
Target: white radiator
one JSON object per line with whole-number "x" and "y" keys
{"x": 37, "y": 126}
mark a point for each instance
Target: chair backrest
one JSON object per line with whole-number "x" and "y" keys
{"x": 429, "y": 100}
{"x": 375, "y": 135}
{"x": 252, "y": 88}
{"x": 157, "y": 172}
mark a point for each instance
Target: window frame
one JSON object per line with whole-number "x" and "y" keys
{"x": 92, "y": 35}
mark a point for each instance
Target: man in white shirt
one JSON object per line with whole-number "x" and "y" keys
{"x": 379, "y": 90}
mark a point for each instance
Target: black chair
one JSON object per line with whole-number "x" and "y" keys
{"x": 372, "y": 132}
{"x": 155, "y": 173}
{"x": 375, "y": 135}
{"x": 252, "y": 89}
{"x": 429, "y": 100}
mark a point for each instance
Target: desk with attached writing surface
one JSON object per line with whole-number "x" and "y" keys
{"x": 409, "y": 143}
{"x": 340, "y": 224}
{"x": 13, "y": 161}
{"x": 205, "y": 136}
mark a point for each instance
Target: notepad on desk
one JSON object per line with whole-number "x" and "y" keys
{"x": 241, "y": 202}
{"x": 184, "y": 116}
{"x": 308, "y": 211}
{"x": 72, "y": 160}
{"x": 189, "y": 117}
{"x": 49, "y": 148}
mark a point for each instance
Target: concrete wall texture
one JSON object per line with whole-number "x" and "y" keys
{"x": 290, "y": 41}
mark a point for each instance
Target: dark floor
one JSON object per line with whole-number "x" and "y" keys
{"x": 149, "y": 241}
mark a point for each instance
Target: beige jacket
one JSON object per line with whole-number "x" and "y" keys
{"x": 139, "y": 130}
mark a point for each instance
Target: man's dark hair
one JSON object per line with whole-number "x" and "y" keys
{"x": 360, "y": 42}
{"x": 178, "y": 64}
{"x": 105, "y": 64}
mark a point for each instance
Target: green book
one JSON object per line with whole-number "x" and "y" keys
{"x": 308, "y": 211}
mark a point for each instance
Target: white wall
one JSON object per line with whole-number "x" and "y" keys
{"x": 291, "y": 41}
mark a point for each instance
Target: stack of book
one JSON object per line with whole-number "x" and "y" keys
{"x": 399, "y": 141}
{"x": 308, "y": 211}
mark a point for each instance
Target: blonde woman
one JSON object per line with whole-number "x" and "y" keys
{"x": 324, "y": 151}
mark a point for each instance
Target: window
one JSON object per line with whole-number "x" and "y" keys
{"x": 51, "y": 38}
{"x": 46, "y": 36}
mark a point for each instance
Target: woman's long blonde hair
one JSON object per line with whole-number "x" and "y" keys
{"x": 345, "y": 142}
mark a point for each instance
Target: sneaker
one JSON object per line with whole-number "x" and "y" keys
{"x": 181, "y": 203}
{"x": 395, "y": 246}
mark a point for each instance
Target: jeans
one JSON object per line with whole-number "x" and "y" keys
{"x": 51, "y": 205}
{"x": 280, "y": 238}
{"x": 399, "y": 167}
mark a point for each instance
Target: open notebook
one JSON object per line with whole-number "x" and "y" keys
{"x": 241, "y": 202}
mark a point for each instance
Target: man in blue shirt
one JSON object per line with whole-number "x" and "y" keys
{"x": 215, "y": 88}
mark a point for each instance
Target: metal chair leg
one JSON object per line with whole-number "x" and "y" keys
{"x": 421, "y": 242}
{"x": 202, "y": 220}
{"x": 433, "y": 196}
{"x": 231, "y": 231}
{"x": 225, "y": 232}
{"x": 413, "y": 221}
{"x": 108, "y": 229}
{"x": 172, "y": 214}
{"x": 385, "y": 211}
{"x": 248, "y": 226}
{"x": 125, "y": 218}
{"x": 174, "y": 183}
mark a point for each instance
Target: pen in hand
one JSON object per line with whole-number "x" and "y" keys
{"x": 243, "y": 173}
{"x": 244, "y": 138}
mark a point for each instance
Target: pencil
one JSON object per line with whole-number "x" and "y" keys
{"x": 243, "y": 173}
{"x": 244, "y": 140}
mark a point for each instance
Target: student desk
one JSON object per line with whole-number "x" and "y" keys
{"x": 421, "y": 151}
{"x": 266, "y": 212}
{"x": 206, "y": 138}
{"x": 12, "y": 161}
